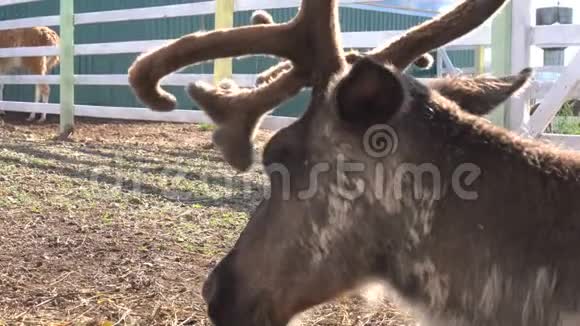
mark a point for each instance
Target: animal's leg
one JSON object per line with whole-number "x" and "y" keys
{"x": 36, "y": 66}
{"x": 44, "y": 96}
{"x": 32, "y": 115}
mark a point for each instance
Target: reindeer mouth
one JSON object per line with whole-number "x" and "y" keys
{"x": 254, "y": 313}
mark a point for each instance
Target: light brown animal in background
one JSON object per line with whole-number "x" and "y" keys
{"x": 30, "y": 37}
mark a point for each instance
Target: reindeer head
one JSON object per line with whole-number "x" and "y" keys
{"x": 326, "y": 228}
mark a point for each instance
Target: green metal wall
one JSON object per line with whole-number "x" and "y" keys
{"x": 352, "y": 20}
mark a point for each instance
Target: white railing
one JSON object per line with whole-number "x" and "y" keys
{"x": 245, "y": 80}
{"x": 542, "y": 36}
{"x": 15, "y": 2}
{"x": 350, "y": 40}
{"x": 551, "y": 94}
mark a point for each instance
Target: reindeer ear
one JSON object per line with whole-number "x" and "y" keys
{"x": 371, "y": 93}
{"x": 481, "y": 95}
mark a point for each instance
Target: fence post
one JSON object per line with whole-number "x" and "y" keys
{"x": 67, "y": 87}
{"x": 519, "y": 106}
{"x": 501, "y": 40}
{"x": 224, "y": 18}
{"x": 479, "y": 60}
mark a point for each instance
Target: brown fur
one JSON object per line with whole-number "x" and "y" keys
{"x": 464, "y": 90}
{"x": 474, "y": 263}
{"x": 504, "y": 257}
{"x": 543, "y": 157}
{"x": 30, "y": 37}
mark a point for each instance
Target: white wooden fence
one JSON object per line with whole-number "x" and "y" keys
{"x": 524, "y": 35}
{"x": 351, "y": 40}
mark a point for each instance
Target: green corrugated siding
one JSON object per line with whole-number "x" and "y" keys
{"x": 462, "y": 58}
{"x": 352, "y": 20}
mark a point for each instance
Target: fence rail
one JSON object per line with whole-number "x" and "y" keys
{"x": 554, "y": 36}
{"x": 140, "y": 114}
{"x": 244, "y": 80}
{"x": 15, "y": 2}
{"x": 350, "y": 40}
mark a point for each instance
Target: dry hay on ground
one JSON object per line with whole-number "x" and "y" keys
{"x": 122, "y": 224}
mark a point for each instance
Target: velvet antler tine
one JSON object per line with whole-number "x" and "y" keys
{"x": 272, "y": 73}
{"x": 235, "y": 110}
{"x": 148, "y": 69}
{"x": 238, "y": 112}
{"x": 425, "y": 61}
{"x": 437, "y": 32}
{"x": 261, "y": 17}
{"x": 323, "y": 35}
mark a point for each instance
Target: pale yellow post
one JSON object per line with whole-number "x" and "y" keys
{"x": 501, "y": 42}
{"x": 224, "y": 18}
{"x": 480, "y": 60}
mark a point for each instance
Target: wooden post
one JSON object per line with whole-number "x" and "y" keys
{"x": 67, "y": 87}
{"x": 224, "y": 18}
{"x": 518, "y": 117}
{"x": 479, "y": 60}
{"x": 501, "y": 39}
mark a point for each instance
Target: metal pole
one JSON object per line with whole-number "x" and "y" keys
{"x": 224, "y": 18}
{"x": 67, "y": 88}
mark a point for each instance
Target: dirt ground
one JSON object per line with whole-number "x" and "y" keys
{"x": 121, "y": 225}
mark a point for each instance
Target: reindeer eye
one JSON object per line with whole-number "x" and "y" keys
{"x": 429, "y": 112}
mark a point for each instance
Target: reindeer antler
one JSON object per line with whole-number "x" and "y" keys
{"x": 414, "y": 45}
{"x": 237, "y": 111}
{"x": 436, "y": 32}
